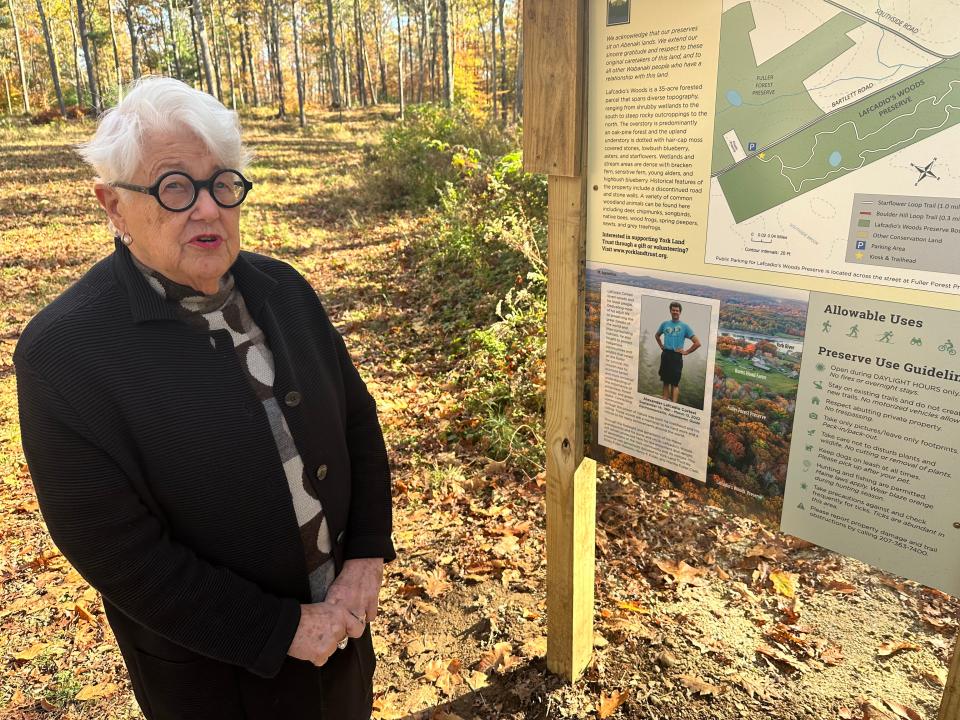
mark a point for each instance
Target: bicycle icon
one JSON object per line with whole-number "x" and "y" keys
{"x": 948, "y": 348}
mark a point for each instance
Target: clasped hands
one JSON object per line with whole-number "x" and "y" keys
{"x": 351, "y": 603}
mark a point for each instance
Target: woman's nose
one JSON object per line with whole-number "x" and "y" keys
{"x": 205, "y": 207}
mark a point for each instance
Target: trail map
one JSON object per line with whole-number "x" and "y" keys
{"x": 820, "y": 100}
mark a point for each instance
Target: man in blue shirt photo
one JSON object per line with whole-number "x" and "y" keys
{"x": 671, "y": 336}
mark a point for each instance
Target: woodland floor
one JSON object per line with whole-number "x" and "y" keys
{"x": 693, "y": 614}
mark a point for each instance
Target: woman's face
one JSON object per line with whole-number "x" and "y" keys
{"x": 195, "y": 247}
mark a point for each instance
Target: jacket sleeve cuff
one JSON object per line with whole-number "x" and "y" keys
{"x": 369, "y": 546}
{"x": 274, "y": 651}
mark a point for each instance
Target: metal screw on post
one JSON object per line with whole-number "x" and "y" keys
{"x": 957, "y": 525}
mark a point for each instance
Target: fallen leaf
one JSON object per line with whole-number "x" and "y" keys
{"x": 423, "y": 697}
{"x": 889, "y": 648}
{"x": 536, "y": 647}
{"x": 845, "y": 713}
{"x": 767, "y": 551}
{"x": 902, "y": 710}
{"x": 477, "y": 680}
{"x": 435, "y": 583}
{"x": 388, "y": 707}
{"x": 682, "y": 573}
{"x": 633, "y": 607}
{"x": 833, "y": 655}
{"x": 435, "y": 669}
{"x": 872, "y": 711}
{"x": 785, "y": 583}
{"x": 17, "y": 700}
{"x": 31, "y": 652}
{"x": 448, "y": 682}
{"x": 753, "y": 689}
{"x": 81, "y": 612}
{"x": 496, "y": 658}
{"x": 92, "y": 692}
{"x": 891, "y": 583}
{"x": 416, "y": 647}
{"x": 699, "y": 687}
{"x": 609, "y": 704}
{"x": 781, "y": 657}
{"x": 507, "y": 546}
{"x": 937, "y": 676}
{"x": 840, "y": 587}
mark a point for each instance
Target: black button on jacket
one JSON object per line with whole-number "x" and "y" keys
{"x": 159, "y": 479}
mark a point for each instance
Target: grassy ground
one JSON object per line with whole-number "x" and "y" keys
{"x": 462, "y": 632}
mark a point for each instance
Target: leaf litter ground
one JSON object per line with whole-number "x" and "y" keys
{"x": 699, "y": 614}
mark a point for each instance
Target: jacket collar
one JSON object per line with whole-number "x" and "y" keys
{"x": 147, "y": 304}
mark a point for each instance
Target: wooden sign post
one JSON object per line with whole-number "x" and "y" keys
{"x": 554, "y": 35}
{"x": 554, "y": 143}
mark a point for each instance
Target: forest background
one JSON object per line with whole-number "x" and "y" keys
{"x": 388, "y": 172}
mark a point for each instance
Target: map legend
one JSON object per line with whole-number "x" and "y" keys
{"x": 905, "y": 231}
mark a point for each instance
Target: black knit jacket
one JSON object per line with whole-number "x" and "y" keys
{"x": 157, "y": 473}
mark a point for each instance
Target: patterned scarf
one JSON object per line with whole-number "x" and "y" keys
{"x": 226, "y": 310}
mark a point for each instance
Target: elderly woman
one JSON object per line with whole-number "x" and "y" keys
{"x": 203, "y": 450}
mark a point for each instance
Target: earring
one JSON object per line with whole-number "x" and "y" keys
{"x": 126, "y": 239}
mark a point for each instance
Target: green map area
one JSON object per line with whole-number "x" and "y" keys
{"x": 763, "y": 103}
{"x": 846, "y": 140}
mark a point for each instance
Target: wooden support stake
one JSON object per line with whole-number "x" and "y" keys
{"x": 571, "y": 478}
{"x": 950, "y": 705}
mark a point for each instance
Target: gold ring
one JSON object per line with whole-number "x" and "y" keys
{"x": 343, "y": 643}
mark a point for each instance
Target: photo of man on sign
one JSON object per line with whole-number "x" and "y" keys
{"x": 672, "y": 336}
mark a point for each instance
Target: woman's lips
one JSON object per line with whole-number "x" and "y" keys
{"x": 206, "y": 242}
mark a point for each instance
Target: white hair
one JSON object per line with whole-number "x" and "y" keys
{"x": 161, "y": 104}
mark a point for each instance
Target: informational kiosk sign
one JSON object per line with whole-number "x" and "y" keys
{"x": 773, "y": 264}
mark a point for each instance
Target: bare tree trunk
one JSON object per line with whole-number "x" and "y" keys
{"x": 246, "y": 52}
{"x": 20, "y": 63}
{"x": 52, "y": 58}
{"x": 95, "y": 103}
{"x": 518, "y": 91}
{"x": 378, "y": 41}
{"x": 201, "y": 33}
{"x": 493, "y": 59}
{"x": 421, "y": 44}
{"x": 116, "y": 50}
{"x": 274, "y": 42}
{"x": 399, "y": 58}
{"x": 163, "y": 44}
{"x": 78, "y": 84}
{"x": 366, "y": 59}
{"x": 447, "y": 52}
{"x": 196, "y": 49}
{"x": 336, "y": 100}
{"x": 226, "y": 34}
{"x": 174, "y": 42}
{"x": 361, "y": 85}
{"x": 296, "y": 61}
{"x": 134, "y": 38}
{"x": 503, "y": 64}
{"x": 95, "y": 49}
{"x": 348, "y": 90}
{"x": 433, "y": 52}
{"x": 410, "y": 62}
{"x": 215, "y": 56}
{"x": 6, "y": 91}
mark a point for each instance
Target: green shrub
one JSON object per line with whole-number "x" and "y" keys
{"x": 506, "y": 378}
{"x": 434, "y": 145}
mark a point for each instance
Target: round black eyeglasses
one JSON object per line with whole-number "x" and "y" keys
{"x": 177, "y": 192}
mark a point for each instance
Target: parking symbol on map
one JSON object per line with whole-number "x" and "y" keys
{"x": 861, "y": 244}
{"x": 751, "y": 146}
